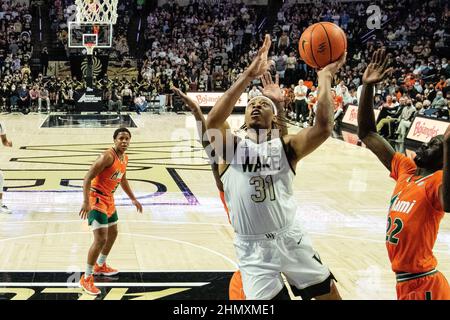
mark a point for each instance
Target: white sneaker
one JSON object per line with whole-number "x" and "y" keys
{"x": 4, "y": 209}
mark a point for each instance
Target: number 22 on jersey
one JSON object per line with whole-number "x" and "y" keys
{"x": 391, "y": 233}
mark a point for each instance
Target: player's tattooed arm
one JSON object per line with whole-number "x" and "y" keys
{"x": 367, "y": 132}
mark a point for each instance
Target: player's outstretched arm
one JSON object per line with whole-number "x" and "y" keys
{"x": 367, "y": 132}
{"x": 445, "y": 189}
{"x": 309, "y": 139}
{"x": 200, "y": 119}
{"x": 104, "y": 161}
{"x": 224, "y": 106}
{"x": 194, "y": 107}
{"x": 127, "y": 189}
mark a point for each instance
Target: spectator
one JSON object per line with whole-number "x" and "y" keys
{"x": 115, "y": 100}
{"x": 408, "y": 114}
{"x": 338, "y": 106}
{"x": 68, "y": 101}
{"x": 439, "y": 102}
{"x": 404, "y": 112}
{"x": 44, "y": 60}
{"x": 446, "y": 88}
{"x": 291, "y": 64}
{"x": 44, "y": 97}
{"x": 254, "y": 93}
{"x": 301, "y": 107}
{"x": 140, "y": 103}
{"x": 34, "y": 97}
{"x": 312, "y": 106}
{"x": 24, "y": 99}
{"x": 127, "y": 96}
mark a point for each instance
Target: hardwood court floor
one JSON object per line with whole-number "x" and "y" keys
{"x": 342, "y": 192}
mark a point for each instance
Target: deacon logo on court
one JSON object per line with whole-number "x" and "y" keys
{"x": 125, "y": 286}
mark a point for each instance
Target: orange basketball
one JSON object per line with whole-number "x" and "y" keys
{"x": 322, "y": 43}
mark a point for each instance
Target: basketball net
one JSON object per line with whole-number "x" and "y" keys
{"x": 104, "y": 11}
{"x": 89, "y": 48}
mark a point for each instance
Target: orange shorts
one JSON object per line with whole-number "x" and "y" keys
{"x": 236, "y": 290}
{"x": 102, "y": 203}
{"x": 222, "y": 197}
{"x": 431, "y": 287}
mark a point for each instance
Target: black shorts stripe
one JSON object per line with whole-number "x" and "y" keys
{"x": 405, "y": 276}
{"x": 315, "y": 290}
{"x": 282, "y": 295}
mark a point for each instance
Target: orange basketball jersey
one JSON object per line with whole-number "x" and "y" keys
{"x": 109, "y": 179}
{"x": 236, "y": 289}
{"x": 414, "y": 216}
{"x": 222, "y": 197}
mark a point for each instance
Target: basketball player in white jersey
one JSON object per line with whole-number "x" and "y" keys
{"x": 257, "y": 174}
{"x": 235, "y": 291}
{"x": 6, "y": 143}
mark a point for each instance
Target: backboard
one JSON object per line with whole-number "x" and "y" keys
{"x": 80, "y": 33}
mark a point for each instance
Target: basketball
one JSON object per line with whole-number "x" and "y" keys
{"x": 321, "y": 44}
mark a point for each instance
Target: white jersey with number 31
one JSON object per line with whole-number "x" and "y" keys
{"x": 258, "y": 188}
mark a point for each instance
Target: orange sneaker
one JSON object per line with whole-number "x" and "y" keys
{"x": 104, "y": 270}
{"x": 87, "y": 284}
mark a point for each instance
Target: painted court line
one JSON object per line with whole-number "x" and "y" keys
{"x": 101, "y": 284}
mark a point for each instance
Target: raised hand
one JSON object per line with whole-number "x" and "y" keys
{"x": 334, "y": 67}
{"x": 271, "y": 89}
{"x": 260, "y": 63}
{"x": 191, "y": 104}
{"x": 377, "y": 68}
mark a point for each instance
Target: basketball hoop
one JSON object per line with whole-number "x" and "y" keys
{"x": 93, "y": 7}
{"x": 89, "y": 48}
{"x": 96, "y": 11}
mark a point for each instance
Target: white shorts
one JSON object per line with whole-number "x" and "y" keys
{"x": 262, "y": 258}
